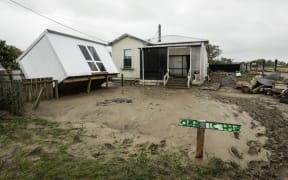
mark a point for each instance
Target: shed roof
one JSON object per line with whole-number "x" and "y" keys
{"x": 47, "y": 31}
{"x": 175, "y": 39}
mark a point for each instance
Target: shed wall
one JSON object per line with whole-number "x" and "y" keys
{"x": 72, "y": 59}
{"x": 42, "y": 62}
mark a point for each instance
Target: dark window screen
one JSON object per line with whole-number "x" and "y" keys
{"x": 127, "y": 58}
{"x": 101, "y": 66}
{"x": 155, "y": 63}
{"x": 92, "y": 66}
{"x": 127, "y": 63}
{"x": 94, "y": 53}
{"x": 85, "y": 52}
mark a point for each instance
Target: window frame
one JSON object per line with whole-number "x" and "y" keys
{"x": 127, "y": 58}
{"x": 91, "y": 56}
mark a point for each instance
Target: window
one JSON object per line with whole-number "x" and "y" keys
{"x": 94, "y": 53}
{"x": 94, "y": 64}
{"x": 85, "y": 52}
{"x": 101, "y": 66}
{"x": 127, "y": 59}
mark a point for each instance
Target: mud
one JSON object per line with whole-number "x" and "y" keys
{"x": 269, "y": 113}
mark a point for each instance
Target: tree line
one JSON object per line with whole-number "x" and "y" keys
{"x": 214, "y": 52}
{"x": 8, "y": 55}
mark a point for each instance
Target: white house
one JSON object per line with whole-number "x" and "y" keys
{"x": 161, "y": 59}
{"x": 66, "y": 58}
{"x": 126, "y": 55}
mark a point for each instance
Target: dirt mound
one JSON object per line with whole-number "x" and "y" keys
{"x": 267, "y": 114}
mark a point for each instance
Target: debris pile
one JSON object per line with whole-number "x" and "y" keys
{"x": 115, "y": 100}
{"x": 272, "y": 84}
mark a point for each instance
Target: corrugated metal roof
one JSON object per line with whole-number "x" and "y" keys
{"x": 175, "y": 39}
{"x": 174, "y": 45}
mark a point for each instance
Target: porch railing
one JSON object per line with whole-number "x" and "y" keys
{"x": 166, "y": 78}
{"x": 189, "y": 76}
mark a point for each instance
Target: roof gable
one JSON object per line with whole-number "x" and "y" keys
{"x": 127, "y": 35}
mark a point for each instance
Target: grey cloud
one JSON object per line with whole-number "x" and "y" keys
{"x": 244, "y": 29}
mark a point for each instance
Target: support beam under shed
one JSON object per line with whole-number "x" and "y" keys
{"x": 89, "y": 85}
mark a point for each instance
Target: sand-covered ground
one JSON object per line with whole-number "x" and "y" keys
{"x": 151, "y": 119}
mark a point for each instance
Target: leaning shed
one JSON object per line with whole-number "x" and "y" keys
{"x": 68, "y": 59}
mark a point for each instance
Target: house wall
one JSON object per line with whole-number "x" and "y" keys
{"x": 72, "y": 59}
{"x": 195, "y": 57}
{"x": 118, "y": 56}
{"x": 179, "y": 51}
{"x": 41, "y": 62}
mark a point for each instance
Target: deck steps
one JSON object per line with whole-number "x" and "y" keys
{"x": 177, "y": 83}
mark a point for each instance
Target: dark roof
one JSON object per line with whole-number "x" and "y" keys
{"x": 124, "y": 36}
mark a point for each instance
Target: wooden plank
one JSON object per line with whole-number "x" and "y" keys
{"x": 82, "y": 79}
{"x": 38, "y": 99}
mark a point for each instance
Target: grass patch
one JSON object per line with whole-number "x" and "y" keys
{"x": 59, "y": 164}
{"x": 62, "y": 166}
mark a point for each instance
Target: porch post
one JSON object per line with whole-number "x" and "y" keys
{"x": 142, "y": 54}
{"x": 190, "y": 60}
{"x": 168, "y": 60}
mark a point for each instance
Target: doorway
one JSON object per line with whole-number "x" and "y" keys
{"x": 179, "y": 65}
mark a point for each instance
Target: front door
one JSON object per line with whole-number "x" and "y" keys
{"x": 179, "y": 66}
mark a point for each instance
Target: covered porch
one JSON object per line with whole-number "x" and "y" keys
{"x": 182, "y": 63}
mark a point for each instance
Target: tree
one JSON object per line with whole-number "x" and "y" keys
{"x": 213, "y": 51}
{"x": 8, "y": 55}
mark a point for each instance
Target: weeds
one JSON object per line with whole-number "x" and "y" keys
{"x": 61, "y": 165}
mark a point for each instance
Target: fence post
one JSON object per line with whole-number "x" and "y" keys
{"x": 122, "y": 80}
{"x": 56, "y": 89}
{"x": 275, "y": 65}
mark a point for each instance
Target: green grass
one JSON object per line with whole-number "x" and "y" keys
{"x": 61, "y": 165}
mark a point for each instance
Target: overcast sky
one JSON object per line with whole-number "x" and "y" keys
{"x": 244, "y": 29}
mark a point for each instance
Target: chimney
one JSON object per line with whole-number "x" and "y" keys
{"x": 159, "y": 33}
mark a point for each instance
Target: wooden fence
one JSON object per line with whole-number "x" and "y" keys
{"x": 14, "y": 93}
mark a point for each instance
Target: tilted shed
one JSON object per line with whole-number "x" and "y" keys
{"x": 67, "y": 58}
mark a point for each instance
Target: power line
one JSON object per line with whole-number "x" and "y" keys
{"x": 55, "y": 21}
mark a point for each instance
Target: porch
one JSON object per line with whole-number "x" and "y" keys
{"x": 174, "y": 65}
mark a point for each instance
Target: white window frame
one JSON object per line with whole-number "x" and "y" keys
{"x": 92, "y": 58}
